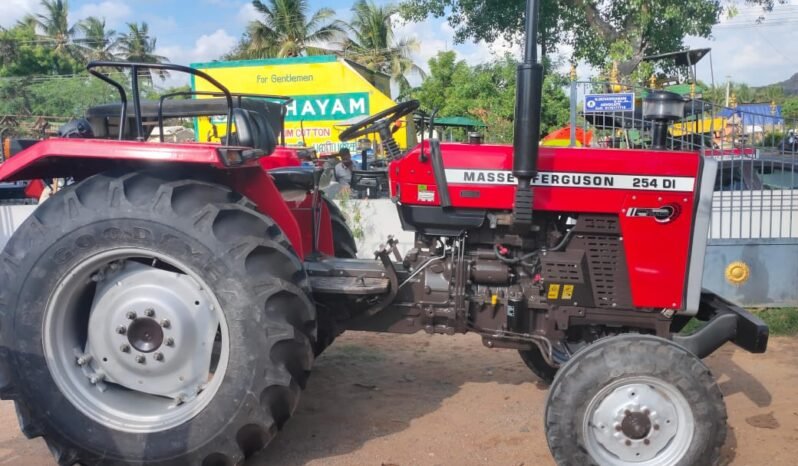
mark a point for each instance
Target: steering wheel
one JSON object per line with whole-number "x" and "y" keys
{"x": 380, "y": 122}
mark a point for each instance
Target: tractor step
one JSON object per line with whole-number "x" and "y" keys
{"x": 350, "y": 285}
{"x": 348, "y": 276}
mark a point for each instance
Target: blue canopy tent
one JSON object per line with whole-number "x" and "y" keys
{"x": 752, "y": 115}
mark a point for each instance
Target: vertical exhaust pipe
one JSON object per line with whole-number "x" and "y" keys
{"x": 527, "y": 121}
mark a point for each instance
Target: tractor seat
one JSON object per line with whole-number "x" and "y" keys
{"x": 253, "y": 130}
{"x": 295, "y": 178}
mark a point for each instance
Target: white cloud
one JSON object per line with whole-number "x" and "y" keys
{"x": 246, "y": 13}
{"x": 757, "y": 55}
{"x": 115, "y": 12}
{"x": 12, "y": 11}
{"x": 206, "y": 48}
{"x": 430, "y": 36}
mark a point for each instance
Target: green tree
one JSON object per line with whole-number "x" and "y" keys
{"x": 744, "y": 93}
{"x": 374, "y": 45}
{"x": 287, "y": 29}
{"x": 789, "y": 110}
{"x": 598, "y": 31}
{"x": 137, "y": 45}
{"x": 23, "y": 54}
{"x": 770, "y": 94}
{"x": 98, "y": 42}
{"x": 54, "y": 25}
{"x": 486, "y": 92}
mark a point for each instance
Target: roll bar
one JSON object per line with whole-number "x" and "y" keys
{"x": 135, "y": 67}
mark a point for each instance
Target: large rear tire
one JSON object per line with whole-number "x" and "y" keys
{"x": 635, "y": 400}
{"x": 201, "y": 323}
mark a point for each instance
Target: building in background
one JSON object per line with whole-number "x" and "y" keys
{"x": 328, "y": 92}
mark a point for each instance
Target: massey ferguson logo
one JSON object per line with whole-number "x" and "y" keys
{"x": 488, "y": 177}
{"x": 574, "y": 180}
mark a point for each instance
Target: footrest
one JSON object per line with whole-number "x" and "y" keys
{"x": 350, "y": 285}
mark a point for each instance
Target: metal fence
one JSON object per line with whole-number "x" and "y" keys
{"x": 756, "y": 190}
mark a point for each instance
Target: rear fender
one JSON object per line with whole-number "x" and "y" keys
{"x": 303, "y": 212}
{"x": 81, "y": 158}
{"x": 259, "y": 187}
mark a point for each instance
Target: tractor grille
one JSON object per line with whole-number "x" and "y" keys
{"x": 563, "y": 267}
{"x": 604, "y": 255}
{"x": 598, "y": 224}
{"x": 562, "y": 272}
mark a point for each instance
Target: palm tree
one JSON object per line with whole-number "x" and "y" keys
{"x": 374, "y": 45}
{"x": 772, "y": 93}
{"x": 54, "y": 26}
{"x": 99, "y": 42}
{"x": 287, "y": 30}
{"x": 137, "y": 46}
{"x": 744, "y": 93}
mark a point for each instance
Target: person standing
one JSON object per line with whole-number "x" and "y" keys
{"x": 343, "y": 170}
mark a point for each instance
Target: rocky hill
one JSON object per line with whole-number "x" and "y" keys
{"x": 790, "y": 86}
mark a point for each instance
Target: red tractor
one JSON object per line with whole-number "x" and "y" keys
{"x": 165, "y": 307}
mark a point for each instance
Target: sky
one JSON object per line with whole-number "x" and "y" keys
{"x": 190, "y": 31}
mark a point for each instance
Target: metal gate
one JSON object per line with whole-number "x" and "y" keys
{"x": 752, "y": 255}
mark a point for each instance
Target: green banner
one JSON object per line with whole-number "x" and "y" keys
{"x": 328, "y": 107}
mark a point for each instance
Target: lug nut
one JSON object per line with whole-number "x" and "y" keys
{"x": 121, "y": 330}
{"x": 170, "y": 341}
{"x": 140, "y": 359}
{"x": 131, "y": 315}
{"x": 125, "y": 348}
{"x": 165, "y": 323}
{"x": 149, "y": 312}
{"x": 656, "y": 426}
{"x": 158, "y": 356}
{"x": 628, "y": 443}
{"x": 646, "y": 441}
{"x": 96, "y": 378}
{"x": 83, "y": 360}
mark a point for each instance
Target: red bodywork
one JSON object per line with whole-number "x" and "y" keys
{"x": 657, "y": 253}
{"x": 80, "y": 158}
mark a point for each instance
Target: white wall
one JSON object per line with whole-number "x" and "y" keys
{"x": 11, "y": 217}
{"x": 378, "y": 219}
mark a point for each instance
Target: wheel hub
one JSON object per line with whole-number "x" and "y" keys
{"x": 145, "y": 335}
{"x": 641, "y": 422}
{"x": 636, "y": 425}
{"x": 151, "y": 330}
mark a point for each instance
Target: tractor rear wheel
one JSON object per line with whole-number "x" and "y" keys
{"x": 150, "y": 318}
{"x": 635, "y": 399}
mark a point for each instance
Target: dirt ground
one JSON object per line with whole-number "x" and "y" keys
{"x": 387, "y": 400}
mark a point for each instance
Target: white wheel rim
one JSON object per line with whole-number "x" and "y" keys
{"x": 642, "y": 421}
{"x": 114, "y": 399}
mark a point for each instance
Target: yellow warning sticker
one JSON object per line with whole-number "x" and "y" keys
{"x": 554, "y": 291}
{"x": 567, "y": 291}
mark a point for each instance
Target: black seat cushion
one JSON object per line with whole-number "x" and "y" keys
{"x": 302, "y": 177}
{"x": 254, "y": 131}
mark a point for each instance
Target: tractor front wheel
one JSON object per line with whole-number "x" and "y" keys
{"x": 149, "y": 318}
{"x": 632, "y": 400}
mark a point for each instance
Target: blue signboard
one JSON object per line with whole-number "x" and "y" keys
{"x": 624, "y": 102}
